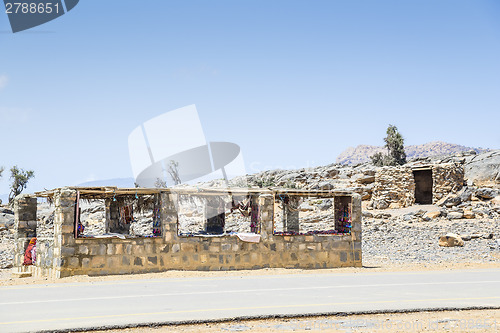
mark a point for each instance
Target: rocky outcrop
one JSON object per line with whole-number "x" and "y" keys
{"x": 483, "y": 169}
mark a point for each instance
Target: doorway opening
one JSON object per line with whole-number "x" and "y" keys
{"x": 423, "y": 186}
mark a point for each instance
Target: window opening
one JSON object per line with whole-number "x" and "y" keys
{"x": 125, "y": 215}
{"x": 217, "y": 214}
{"x": 343, "y": 217}
{"x": 303, "y": 215}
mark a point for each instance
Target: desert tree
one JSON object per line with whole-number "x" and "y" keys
{"x": 20, "y": 180}
{"x": 394, "y": 142}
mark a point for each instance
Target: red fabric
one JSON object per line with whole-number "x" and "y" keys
{"x": 28, "y": 260}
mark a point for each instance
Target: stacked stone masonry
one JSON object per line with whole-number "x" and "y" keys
{"x": 64, "y": 255}
{"x": 447, "y": 178}
{"x": 394, "y": 187}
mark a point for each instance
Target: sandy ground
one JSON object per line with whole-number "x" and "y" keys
{"x": 436, "y": 321}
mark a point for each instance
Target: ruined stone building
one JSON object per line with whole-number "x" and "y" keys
{"x": 403, "y": 186}
{"x": 106, "y": 230}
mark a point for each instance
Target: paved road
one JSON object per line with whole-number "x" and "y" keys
{"x": 60, "y": 306}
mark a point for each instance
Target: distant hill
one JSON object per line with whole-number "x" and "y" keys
{"x": 362, "y": 153}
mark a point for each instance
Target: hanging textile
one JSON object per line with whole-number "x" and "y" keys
{"x": 30, "y": 253}
{"x": 254, "y": 219}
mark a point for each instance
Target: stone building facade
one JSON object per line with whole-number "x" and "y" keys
{"x": 403, "y": 186}
{"x": 63, "y": 253}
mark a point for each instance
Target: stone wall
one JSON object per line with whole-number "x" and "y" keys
{"x": 101, "y": 256}
{"x": 446, "y": 178}
{"x": 394, "y": 188}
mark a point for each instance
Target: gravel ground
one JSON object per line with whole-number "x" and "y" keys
{"x": 436, "y": 321}
{"x": 394, "y": 241}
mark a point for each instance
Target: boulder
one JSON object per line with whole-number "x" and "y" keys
{"x": 451, "y": 240}
{"x": 383, "y": 216}
{"x": 367, "y": 214}
{"x": 495, "y": 201}
{"x": 441, "y": 201}
{"x": 466, "y": 237}
{"x": 380, "y": 204}
{"x": 6, "y": 220}
{"x": 366, "y": 179}
{"x": 306, "y": 207}
{"x": 468, "y": 214}
{"x": 453, "y": 200}
{"x": 325, "y": 204}
{"x": 465, "y": 194}
{"x": 6, "y": 211}
{"x": 433, "y": 214}
{"x": 455, "y": 215}
{"x": 408, "y": 217}
{"x": 325, "y": 185}
{"x": 486, "y": 193}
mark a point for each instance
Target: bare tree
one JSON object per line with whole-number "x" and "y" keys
{"x": 160, "y": 183}
{"x": 173, "y": 170}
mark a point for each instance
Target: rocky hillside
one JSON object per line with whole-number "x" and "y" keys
{"x": 362, "y": 153}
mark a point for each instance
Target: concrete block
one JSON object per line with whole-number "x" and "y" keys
{"x": 67, "y": 251}
{"x": 85, "y": 262}
{"x": 138, "y": 261}
{"x": 113, "y": 263}
{"x": 74, "y": 262}
{"x": 102, "y": 249}
{"x": 187, "y": 247}
{"x": 153, "y": 260}
{"x": 203, "y": 258}
{"x": 125, "y": 261}
{"x": 98, "y": 262}
{"x": 94, "y": 249}
{"x": 118, "y": 249}
{"x": 138, "y": 249}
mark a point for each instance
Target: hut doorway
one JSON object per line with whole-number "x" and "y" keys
{"x": 423, "y": 186}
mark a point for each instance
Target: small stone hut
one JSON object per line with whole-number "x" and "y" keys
{"x": 403, "y": 186}
{"x": 66, "y": 250}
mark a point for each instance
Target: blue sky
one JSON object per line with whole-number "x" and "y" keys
{"x": 294, "y": 83}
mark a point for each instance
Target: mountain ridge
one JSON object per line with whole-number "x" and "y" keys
{"x": 362, "y": 153}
